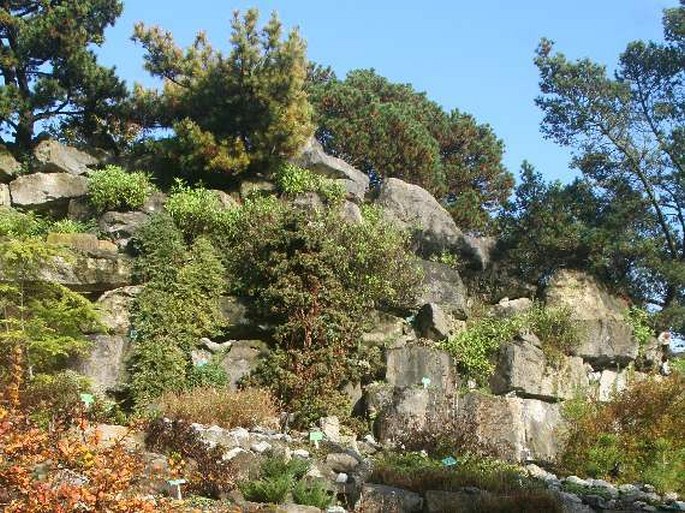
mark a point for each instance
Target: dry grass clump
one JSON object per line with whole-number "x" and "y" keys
{"x": 222, "y": 407}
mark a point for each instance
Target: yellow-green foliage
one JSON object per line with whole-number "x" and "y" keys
{"x": 635, "y": 437}
{"x": 293, "y": 180}
{"x": 476, "y": 347}
{"x": 114, "y": 188}
{"x": 195, "y": 210}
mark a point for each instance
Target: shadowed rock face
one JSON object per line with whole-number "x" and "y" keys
{"x": 606, "y": 339}
{"x": 443, "y": 286}
{"x": 53, "y": 157}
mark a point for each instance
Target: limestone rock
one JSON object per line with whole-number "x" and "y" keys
{"x": 122, "y": 226}
{"x": 377, "y": 498}
{"x": 256, "y": 185}
{"x": 434, "y": 323}
{"x": 47, "y": 191}
{"x": 443, "y": 286}
{"x": 155, "y": 203}
{"x": 105, "y": 364}
{"x": 511, "y": 307}
{"x": 242, "y": 359}
{"x": 225, "y": 199}
{"x": 350, "y": 213}
{"x": 5, "y": 198}
{"x": 85, "y": 243}
{"x": 342, "y": 462}
{"x": 314, "y": 158}
{"x": 400, "y": 412}
{"x": 515, "y": 428}
{"x": 84, "y": 273}
{"x": 115, "y": 306}
{"x": 522, "y": 367}
{"x": 53, "y": 157}
{"x": 387, "y": 328}
{"x": 414, "y": 208}
{"x": 606, "y": 337}
{"x": 9, "y": 166}
{"x": 408, "y": 365}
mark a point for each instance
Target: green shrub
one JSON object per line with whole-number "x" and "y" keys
{"x": 641, "y": 325}
{"x": 21, "y": 224}
{"x": 312, "y": 493}
{"x": 276, "y": 466}
{"x": 293, "y": 180}
{"x": 211, "y": 374}
{"x": 315, "y": 279}
{"x": 272, "y": 490}
{"x": 70, "y": 226}
{"x": 195, "y": 211}
{"x": 114, "y": 188}
{"x": 555, "y": 328}
{"x": 48, "y": 397}
{"x": 476, "y": 347}
{"x": 637, "y": 436}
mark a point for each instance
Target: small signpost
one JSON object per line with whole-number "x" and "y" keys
{"x": 87, "y": 400}
{"x": 316, "y": 437}
{"x": 425, "y": 381}
{"x": 175, "y": 488}
{"x": 449, "y": 461}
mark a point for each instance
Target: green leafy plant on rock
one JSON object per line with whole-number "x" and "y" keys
{"x": 293, "y": 180}
{"x": 114, "y": 188}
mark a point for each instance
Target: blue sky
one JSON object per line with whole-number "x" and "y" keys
{"x": 467, "y": 54}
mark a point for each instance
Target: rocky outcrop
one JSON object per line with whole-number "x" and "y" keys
{"x": 387, "y": 329}
{"x": 606, "y": 339}
{"x": 115, "y": 308}
{"x": 514, "y": 428}
{"x": 415, "y": 209}
{"x": 511, "y": 307}
{"x": 122, "y": 226}
{"x": 242, "y": 358}
{"x": 411, "y": 364}
{"x": 9, "y": 166}
{"x": 432, "y": 322}
{"x": 442, "y": 285}
{"x": 5, "y": 198}
{"x": 523, "y": 368}
{"x": 47, "y": 191}
{"x": 53, "y": 157}
{"x": 377, "y": 498}
{"x": 105, "y": 364}
{"x": 84, "y": 273}
{"x": 314, "y": 158}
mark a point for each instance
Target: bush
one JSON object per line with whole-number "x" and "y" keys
{"x": 272, "y": 490}
{"x": 21, "y": 224}
{"x": 312, "y": 493}
{"x": 195, "y": 211}
{"x": 226, "y": 408}
{"x": 114, "y": 188}
{"x": 641, "y": 325}
{"x": 70, "y": 226}
{"x": 209, "y": 375}
{"x": 476, "y": 347}
{"x": 635, "y": 437}
{"x": 315, "y": 278}
{"x": 54, "y": 397}
{"x": 419, "y": 473}
{"x": 178, "y": 305}
{"x": 293, "y": 180}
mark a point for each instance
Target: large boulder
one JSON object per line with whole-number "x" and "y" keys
{"x": 86, "y": 243}
{"x": 432, "y": 322}
{"x": 386, "y": 329}
{"x": 9, "y": 166}
{"x": 409, "y": 365}
{"x": 53, "y": 157}
{"x": 47, "y": 191}
{"x": 414, "y": 208}
{"x": 514, "y": 428}
{"x": 376, "y": 498}
{"x": 314, "y": 158}
{"x": 115, "y": 308}
{"x": 122, "y": 226}
{"x": 606, "y": 338}
{"x": 401, "y": 413}
{"x": 523, "y": 368}
{"x": 105, "y": 365}
{"x": 442, "y": 285}
{"x": 5, "y": 198}
{"x": 85, "y": 273}
{"x": 242, "y": 358}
